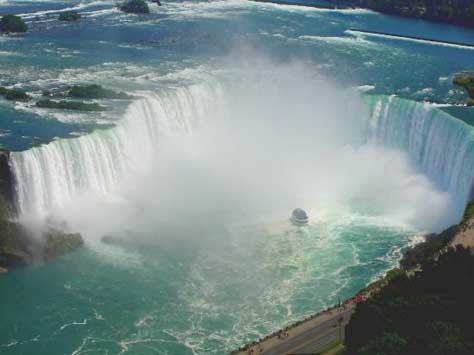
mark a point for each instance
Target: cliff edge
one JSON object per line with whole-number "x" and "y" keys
{"x": 19, "y": 245}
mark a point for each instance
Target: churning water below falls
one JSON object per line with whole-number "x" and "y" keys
{"x": 199, "y": 175}
{"x": 198, "y": 183}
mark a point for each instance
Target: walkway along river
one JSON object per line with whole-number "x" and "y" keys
{"x": 308, "y": 336}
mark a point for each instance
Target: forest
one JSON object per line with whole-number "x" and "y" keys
{"x": 459, "y": 12}
{"x": 429, "y": 312}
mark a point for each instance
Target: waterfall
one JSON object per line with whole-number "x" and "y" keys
{"x": 439, "y": 145}
{"x": 52, "y": 174}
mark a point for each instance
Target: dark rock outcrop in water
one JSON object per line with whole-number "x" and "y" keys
{"x": 457, "y": 12}
{"x": 7, "y": 181}
{"x": 135, "y": 7}
{"x": 84, "y": 92}
{"x": 94, "y": 91}
{"x": 432, "y": 245}
{"x": 15, "y": 245}
{"x": 87, "y": 92}
{"x": 18, "y": 245}
{"x": 466, "y": 80}
{"x": 70, "y": 105}
{"x": 14, "y": 94}
{"x": 12, "y": 24}
{"x": 58, "y": 243}
{"x": 69, "y": 16}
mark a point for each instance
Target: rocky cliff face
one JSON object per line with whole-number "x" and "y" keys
{"x": 7, "y": 180}
{"x": 20, "y": 246}
{"x": 16, "y": 248}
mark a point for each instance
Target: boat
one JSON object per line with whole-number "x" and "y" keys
{"x": 299, "y": 216}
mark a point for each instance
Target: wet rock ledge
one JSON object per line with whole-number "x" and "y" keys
{"x": 19, "y": 245}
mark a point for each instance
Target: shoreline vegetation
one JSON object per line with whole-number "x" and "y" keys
{"x": 459, "y": 12}
{"x": 436, "y": 252}
{"x": 12, "y": 24}
{"x": 427, "y": 308}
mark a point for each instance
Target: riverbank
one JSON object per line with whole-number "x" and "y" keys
{"x": 308, "y": 336}
{"x": 316, "y": 332}
{"x": 426, "y": 310}
{"x": 460, "y": 13}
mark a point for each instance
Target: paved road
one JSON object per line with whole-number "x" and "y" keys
{"x": 309, "y": 337}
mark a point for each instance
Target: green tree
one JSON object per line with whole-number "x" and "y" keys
{"x": 12, "y": 23}
{"x": 446, "y": 338}
{"x": 389, "y": 343}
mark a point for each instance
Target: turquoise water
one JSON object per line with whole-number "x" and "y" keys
{"x": 184, "y": 298}
{"x": 198, "y": 175}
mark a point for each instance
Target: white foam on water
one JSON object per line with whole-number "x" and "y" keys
{"x": 10, "y": 54}
{"x": 102, "y": 12}
{"x": 350, "y": 42}
{"x": 401, "y": 38}
{"x": 302, "y": 8}
{"x": 67, "y": 325}
{"x": 80, "y": 6}
{"x": 365, "y": 88}
{"x": 204, "y": 9}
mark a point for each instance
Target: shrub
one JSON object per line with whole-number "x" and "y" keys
{"x": 468, "y": 212}
{"x": 135, "y": 7}
{"x": 12, "y": 23}
{"x": 387, "y": 344}
{"x": 95, "y": 92}
{"x": 467, "y": 82}
{"x": 14, "y": 94}
{"x": 427, "y": 313}
{"x": 70, "y": 105}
